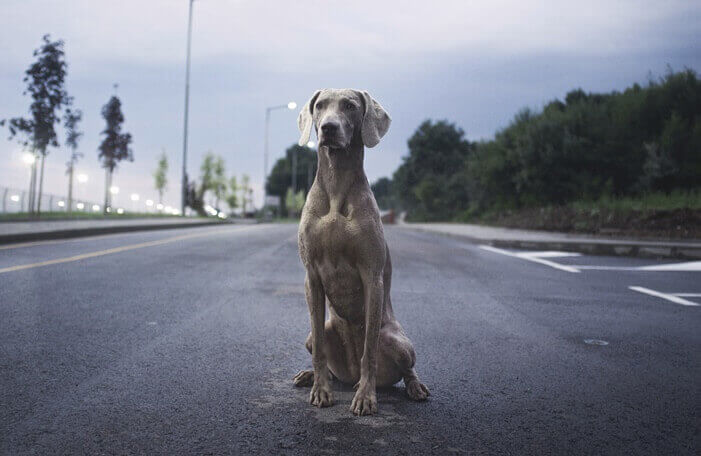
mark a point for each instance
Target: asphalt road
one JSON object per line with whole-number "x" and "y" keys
{"x": 186, "y": 341}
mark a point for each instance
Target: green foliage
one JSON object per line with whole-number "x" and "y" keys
{"x": 232, "y": 195}
{"x": 294, "y": 202}
{"x": 426, "y": 182}
{"x": 280, "y": 178}
{"x": 160, "y": 175}
{"x": 115, "y": 145}
{"x": 73, "y": 135}
{"x": 45, "y": 79}
{"x": 590, "y": 147}
{"x": 382, "y": 189}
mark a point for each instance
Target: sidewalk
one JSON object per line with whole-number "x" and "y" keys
{"x": 60, "y": 229}
{"x": 546, "y": 240}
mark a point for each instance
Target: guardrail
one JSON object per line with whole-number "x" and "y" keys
{"x": 13, "y": 200}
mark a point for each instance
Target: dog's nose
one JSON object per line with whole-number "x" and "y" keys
{"x": 329, "y": 127}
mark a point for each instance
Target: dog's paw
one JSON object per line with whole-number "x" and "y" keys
{"x": 321, "y": 395}
{"x": 417, "y": 391}
{"x": 364, "y": 402}
{"x": 304, "y": 378}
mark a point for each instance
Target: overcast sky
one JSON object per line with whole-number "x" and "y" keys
{"x": 473, "y": 63}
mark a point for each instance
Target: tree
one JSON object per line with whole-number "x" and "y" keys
{"x": 71, "y": 120}
{"x": 45, "y": 79}
{"x": 219, "y": 183}
{"x": 246, "y": 192}
{"x": 232, "y": 198}
{"x": 160, "y": 176}
{"x": 437, "y": 151}
{"x": 115, "y": 146}
{"x": 280, "y": 178}
{"x": 382, "y": 189}
{"x": 207, "y": 177}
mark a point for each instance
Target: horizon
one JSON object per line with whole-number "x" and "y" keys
{"x": 470, "y": 71}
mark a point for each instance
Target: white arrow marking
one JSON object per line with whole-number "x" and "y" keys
{"x": 668, "y": 297}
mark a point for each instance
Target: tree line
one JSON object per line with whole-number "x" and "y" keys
{"x": 52, "y": 105}
{"x": 585, "y": 147}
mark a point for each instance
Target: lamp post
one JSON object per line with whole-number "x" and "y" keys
{"x": 187, "y": 107}
{"x": 291, "y": 105}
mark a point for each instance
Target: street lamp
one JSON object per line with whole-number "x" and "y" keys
{"x": 291, "y": 105}
{"x": 82, "y": 178}
{"x": 114, "y": 190}
{"x": 183, "y": 193}
{"x": 28, "y": 158}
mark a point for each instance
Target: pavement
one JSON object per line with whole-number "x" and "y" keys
{"x": 60, "y": 229}
{"x": 185, "y": 342}
{"x": 592, "y": 244}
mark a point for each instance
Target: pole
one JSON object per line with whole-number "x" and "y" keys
{"x": 187, "y": 107}
{"x": 265, "y": 155}
{"x": 69, "y": 206}
{"x": 41, "y": 184}
{"x": 294, "y": 170}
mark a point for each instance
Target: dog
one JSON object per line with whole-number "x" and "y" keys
{"x": 347, "y": 261}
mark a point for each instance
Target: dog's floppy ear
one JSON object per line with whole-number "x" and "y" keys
{"x": 304, "y": 120}
{"x": 375, "y": 121}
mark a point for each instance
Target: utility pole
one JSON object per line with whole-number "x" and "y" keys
{"x": 183, "y": 202}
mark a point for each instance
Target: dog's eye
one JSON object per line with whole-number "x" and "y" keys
{"x": 319, "y": 105}
{"x": 349, "y": 106}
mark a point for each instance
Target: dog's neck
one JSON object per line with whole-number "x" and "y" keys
{"x": 339, "y": 170}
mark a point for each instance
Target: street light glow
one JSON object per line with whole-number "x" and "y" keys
{"x": 14, "y": 198}
{"x": 80, "y": 206}
{"x": 134, "y": 197}
{"x": 61, "y": 204}
{"x": 120, "y": 211}
{"x": 159, "y": 206}
{"x": 311, "y": 144}
{"x": 114, "y": 189}
{"x": 28, "y": 158}
{"x": 95, "y": 207}
{"x": 82, "y": 178}
{"x": 149, "y": 203}
{"x": 291, "y": 105}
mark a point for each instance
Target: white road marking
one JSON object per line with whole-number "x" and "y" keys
{"x": 689, "y": 266}
{"x": 687, "y": 295}
{"x": 669, "y": 297}
{"x": 536, "y": 257}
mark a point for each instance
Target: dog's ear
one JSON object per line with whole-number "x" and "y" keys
{"x": 375, "y": 121}
{"x": 304, "y": 120}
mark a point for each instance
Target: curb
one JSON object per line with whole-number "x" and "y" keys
{"x": 640, "y": 249}
{"x": 81, "y": 232}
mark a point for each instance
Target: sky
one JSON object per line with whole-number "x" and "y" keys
{"x": 473, "y": 63}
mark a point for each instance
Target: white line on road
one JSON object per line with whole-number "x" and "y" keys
{"x": 687, "y": 295}
{"x": 669, "y": 297}
{"x": 536, "y": 257}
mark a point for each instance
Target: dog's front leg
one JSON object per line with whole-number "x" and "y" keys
{"x": 321, "y": 390}
{"x": 365, "y": 399}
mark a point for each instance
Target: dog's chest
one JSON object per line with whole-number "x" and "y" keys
{"x": 330, "y": 237}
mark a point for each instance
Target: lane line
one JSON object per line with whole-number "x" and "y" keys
{"x": 89, "y": 238}
{"x": 687, "y": 295}
{"x": 658, "y": 294}
{"x": 125, "y": 248}
{"x": 529, "y": 256}
{"x": 689, "y": 266}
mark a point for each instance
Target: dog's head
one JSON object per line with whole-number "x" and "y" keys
{"x": 342, "y": 115}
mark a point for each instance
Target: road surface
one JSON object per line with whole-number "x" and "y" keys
{"x": 185, "y": 342}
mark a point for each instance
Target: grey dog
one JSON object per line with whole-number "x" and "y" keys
{"x": 343, "y": 248}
